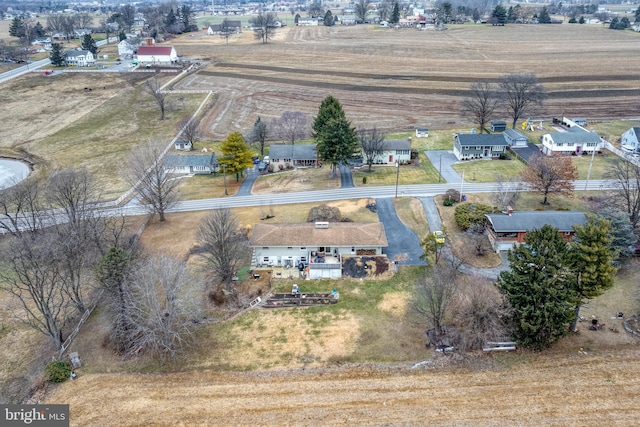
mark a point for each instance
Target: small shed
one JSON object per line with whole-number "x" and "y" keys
{"x": 422, "y": 133}
{"x": 498, "y": 126}
{"x": 183, "y": 145}
{"x": 580, "y": 121}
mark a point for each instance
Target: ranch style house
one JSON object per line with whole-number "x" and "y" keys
{"x": 191, "y": 163}
{"x": 320, "y": 248}
{"x": 468, "y": 146}
{"x": 509, "y": 228}
{"x": 286, "y": 156}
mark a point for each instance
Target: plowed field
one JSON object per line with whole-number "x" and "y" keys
{"x": 400, "y": 79}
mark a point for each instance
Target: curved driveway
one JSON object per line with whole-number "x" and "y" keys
{"x": 402, "y": 241}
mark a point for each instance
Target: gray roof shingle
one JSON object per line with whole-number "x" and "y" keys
{"x": 294, "y": 152}
{"x": 529, "y": 220}
{"x": 181, "y": 160}
{"x": 306, "y": 234}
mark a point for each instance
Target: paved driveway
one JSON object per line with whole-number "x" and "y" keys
{"x": 400, "y": 238}
{"x": 346, "y": 179}
{"x": 442, "y": 161}
{"x": 247, "y": 183}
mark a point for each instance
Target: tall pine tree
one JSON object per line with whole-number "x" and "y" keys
{"x": 57, "y": 55}
{"x": 88, "y": 43}
{"x": 540, "y": 288}
{"x": 592, "y": 260}
{"x": 336, "y": 140}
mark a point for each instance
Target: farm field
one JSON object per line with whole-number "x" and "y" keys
{"x": 349, "y": 364}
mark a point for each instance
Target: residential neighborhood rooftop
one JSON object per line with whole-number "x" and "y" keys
{"x": 307, "y": 234}
{"x": 529, "y": 220}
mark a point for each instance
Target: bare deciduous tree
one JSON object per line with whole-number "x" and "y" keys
{"x": 625, "y": 176}
{"x": 361, "y": 9}
{"x": 264, "y": 26}
{"x": 33, "y": 278}
{"x": 160, "y": 96}
{"x": 190, "y": 128}
{"x": 145, "y": 171}
{"x": 477, "y": 237}
{"x": 481, "y": 314}
{"x": 292, "y": 126}
{"x": 21, "y": 208}
{"x": 224, "y": 245}
{"x": 163, "y": 306}
{"x": 482, "y": 104}
{"x": 372, "y": 142}
{"x": 507, "y": 191}
{"x": 434, "y": 295}
{"x": 550, "y": 174}
{"x": 521, "y": 93}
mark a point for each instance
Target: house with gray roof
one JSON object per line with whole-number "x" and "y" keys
{"x": 293, "y": 156}
{"x": 575, "y": 140}
{"x": 320, "y": 248}
{"x": 393, "y": 150}
{"x": 630, "y": 140}
{"x": 515, "y": 139}
{"x": 468, "y": 146}
{"x": 191, "y": 163}
{"x": 509, "y": 228}
{"x": 79, "y": 58}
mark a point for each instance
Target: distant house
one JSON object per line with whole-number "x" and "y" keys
{"x": 478, "y": 146}
{"x": 515, "y": 139}
{"x": 126, "y": 47}
{"x": 80, "y": 58}
{"x": 507, "y": 229}
{"x": 348, "y": 20}
{"x": 305, "y": 22}
{"x": 320, "y": 247}
{"x": 422, "y": 133}
{"x": 630, "y": 140}
{"x": 575, "y": 141}
{"x": 191, "y": 163}
{"x": 81, "y": 32}
{"x": 231, "y": 27}
{"x": 157, "y": 55}
{"x": 181, "y": 144}
{"x": 393, "y": 150}
{"x": 498, "y": 126}
{"x": 293, "y": 155}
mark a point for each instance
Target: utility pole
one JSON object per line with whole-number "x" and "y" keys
{"x": 397, "y": 176}
{"x": 440, "y": 170}
{"x": 224, "y": 178}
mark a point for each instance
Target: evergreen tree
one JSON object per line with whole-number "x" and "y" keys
{"x": 581, "y": 20}
{"x": 395, "y": 14}
{"x": 328, "y": 19}
{"x": 499, "y": 15}
{"x": 122, "y": 36}
{"x": 17, "y": 28}
{"x": 540, "y": 287}
{"x": 544, "y": 17}
{"x": 335, "y": 138}
{"x": 237, "y": 155}
{"x": 88, "y": 43}
{"x": 592, "y": 260}
{"x": 57, "y": 55}
{"x": 38, "y": 31}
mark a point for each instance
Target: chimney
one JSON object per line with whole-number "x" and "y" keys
{"x": 509, "y": 210}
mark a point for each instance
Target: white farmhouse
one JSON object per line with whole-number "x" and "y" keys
{"x": 80, "y": 58}
{"x": 630, "y": 140}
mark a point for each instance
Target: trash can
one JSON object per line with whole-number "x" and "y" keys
{"x": 464, "y": 197}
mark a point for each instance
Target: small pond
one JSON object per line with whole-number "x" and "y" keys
{"x": 12, "y": 171}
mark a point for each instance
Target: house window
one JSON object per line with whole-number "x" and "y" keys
{"x": 303, "y": 248}
{"x": 265, "y": 259}
{"x": 353, "y": 249}
{"x": 287, "y": 160}
{"x": 265, "y": 247}
{"x": 289, "y": 247}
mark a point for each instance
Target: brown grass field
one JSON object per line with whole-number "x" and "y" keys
{"x": 348, "y": 364}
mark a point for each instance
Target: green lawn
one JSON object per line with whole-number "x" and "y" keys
{"x": 486, "y": 170}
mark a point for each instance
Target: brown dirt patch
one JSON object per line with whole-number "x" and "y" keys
{"x": 395, "y": 303}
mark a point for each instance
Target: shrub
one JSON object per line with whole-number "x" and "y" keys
{"x": 58, "y": 371}
{"x": 503, "y": 156}
{"x": 364, "y": 179}
{"x": 453, "y": 195}
{"x": 448, "y": 202}
{"x": 467, "y": 214}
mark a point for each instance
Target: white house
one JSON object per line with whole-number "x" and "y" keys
{"x": 289, "y": 155}
{"x": 305, "y": 22}
{"x": 80, "y": 58}
{"x": 126, "y": 47}
{"x": 575, "y": 141}
{"x": 157, "y": 55}
{"x": 191, "y": 163}
{"x": 320, "y": 247}
{"x": 393, "y": 150}
{"x": 630, "y": 140}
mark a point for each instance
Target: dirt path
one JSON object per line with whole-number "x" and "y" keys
{"x": 593, "y": 389}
